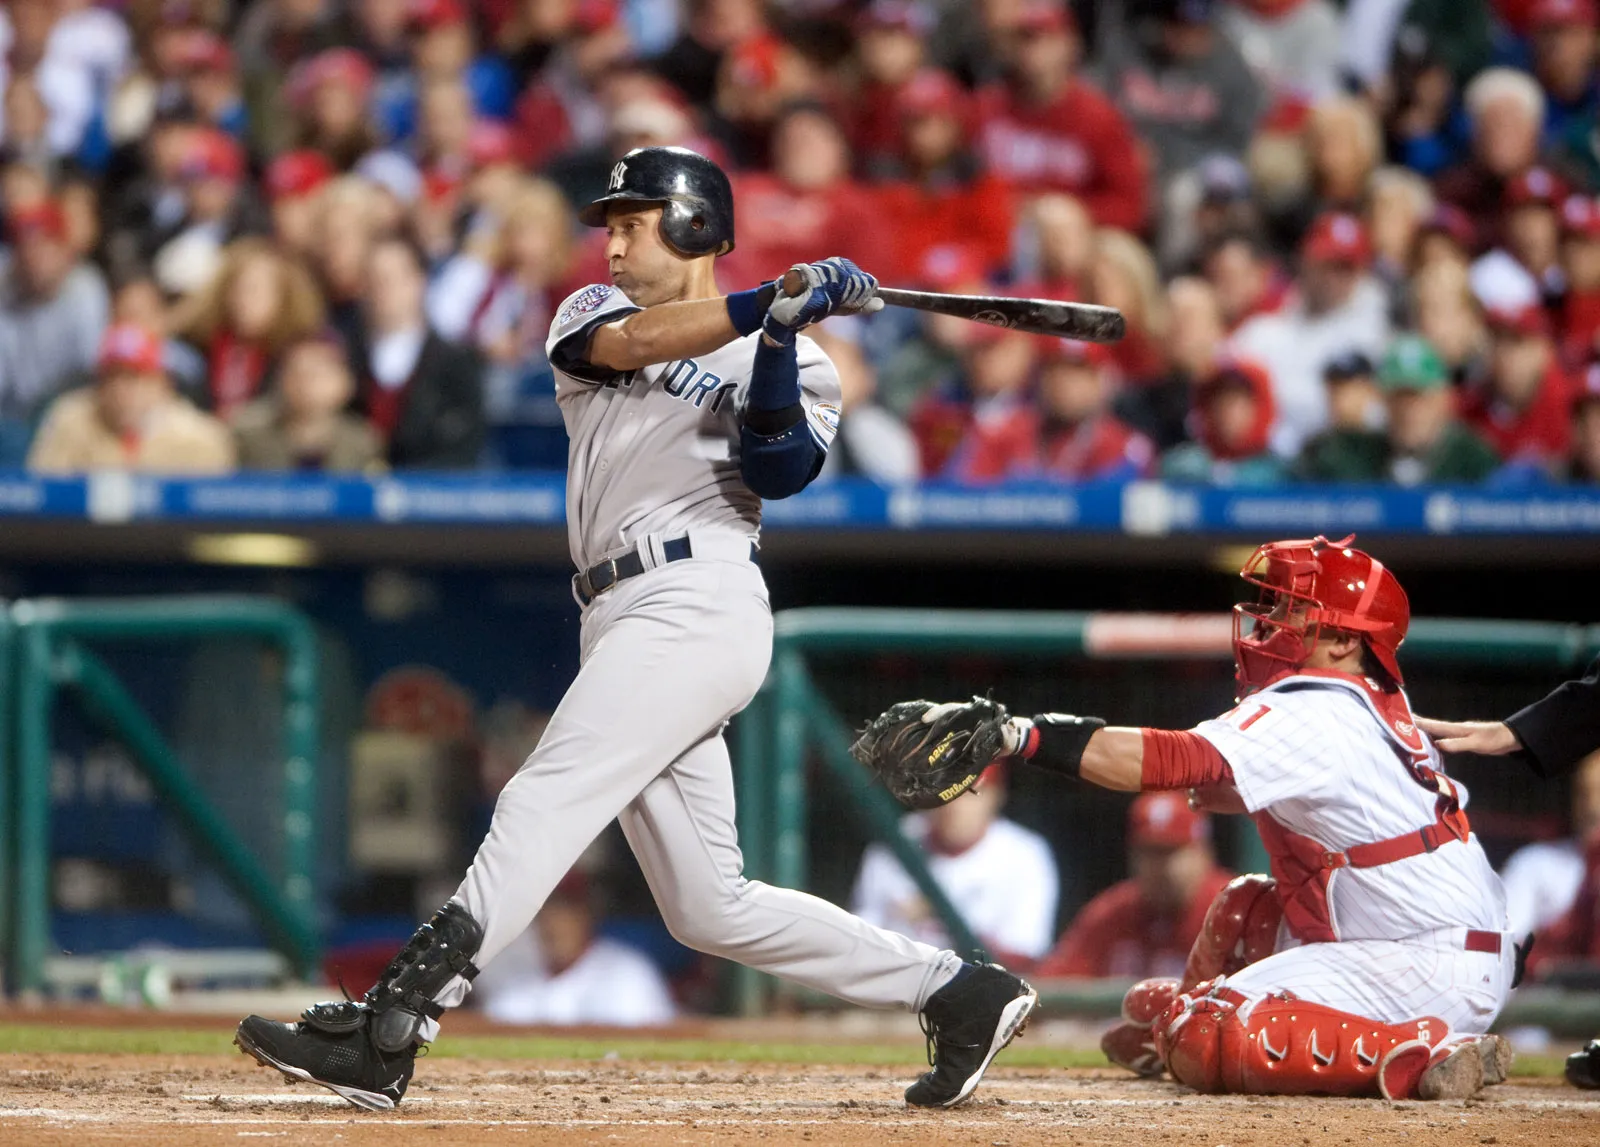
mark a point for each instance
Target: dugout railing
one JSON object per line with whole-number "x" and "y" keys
{"x": 48, "y": 654}
{"x": 793, "y": 724}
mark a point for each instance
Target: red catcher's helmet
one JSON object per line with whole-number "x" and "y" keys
{"x": 1306, "y": 586}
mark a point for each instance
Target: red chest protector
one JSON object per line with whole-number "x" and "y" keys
{"x": 1304, "y": 867}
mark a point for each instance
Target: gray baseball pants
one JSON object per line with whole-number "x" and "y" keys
{"x": 667, "y": 658}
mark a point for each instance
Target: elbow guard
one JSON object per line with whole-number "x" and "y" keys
{"x": 778, "y": 465}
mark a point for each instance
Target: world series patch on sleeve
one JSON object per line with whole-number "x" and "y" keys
{"x": 584, "y": 302}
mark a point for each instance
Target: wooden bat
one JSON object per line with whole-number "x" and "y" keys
{"x": 1084, "y": 321}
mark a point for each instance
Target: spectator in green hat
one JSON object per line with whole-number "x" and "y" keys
{"x": 1424, "y": 441}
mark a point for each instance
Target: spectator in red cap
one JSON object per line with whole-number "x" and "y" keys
{"x": 292, "y": 182}
{"x": 1145, "y": 925}
{"x": 1047, "y": 129}
{"x": 329, "y": 95}
{"x": 1000, "y": 876}
{"x": 945, "y": 196}
{"x": 1337, "y": 306}
{"x": 807, "y": 203}
{"x": 1068, "y": 432}
{"x": 1580, "y": 265}
{"x": 990, "y": 391}
{"x": 258, "y": 303}
{"x": 53, "y": 309}
{"x": 563, "y": 971}
{"x": 1564, "y": 46}
{"x": 131, "y": 419}
{"x": 1585, "y": 465}
{"x": 1531, "y": 230}
{"x": 1446, "y": 235}
{"x": 1182, "y": 84}
{"x": 1232, "y": 421}
{"x": 217, "y": 206}
{"x": 890, "y": 35}
{"x": 1523, "y": 409}
{"x": 210, "y": 79}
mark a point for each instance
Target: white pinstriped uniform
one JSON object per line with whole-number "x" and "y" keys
{"x": 1312, "y": 753}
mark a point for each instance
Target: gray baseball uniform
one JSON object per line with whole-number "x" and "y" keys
{"x": 667, "y": 658}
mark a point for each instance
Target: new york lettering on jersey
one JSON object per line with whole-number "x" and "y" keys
{"x": 656, "y": 450}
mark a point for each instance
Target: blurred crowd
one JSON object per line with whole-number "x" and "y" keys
{"x": 1354, "y": 241}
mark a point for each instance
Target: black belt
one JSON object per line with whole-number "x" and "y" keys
{"x": 594, "y": 581}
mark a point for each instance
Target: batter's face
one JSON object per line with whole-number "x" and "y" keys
{"x": 642, "y": 266}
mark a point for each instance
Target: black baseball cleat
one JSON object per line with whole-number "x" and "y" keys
{"x": 1583, "y": 1067}
{"x": 365, "y": 1049}
{"x": 332, "y": 1046}
{"x": 967, "y": 1022}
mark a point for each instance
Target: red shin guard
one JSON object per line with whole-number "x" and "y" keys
{"x": 1280, "y": 1046}
{"x": 1240, "y": 928}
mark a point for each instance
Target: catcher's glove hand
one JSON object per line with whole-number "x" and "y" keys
{"x": 928, "y": 754}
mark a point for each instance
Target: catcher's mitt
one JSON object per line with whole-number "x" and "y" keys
{"x": 928, "y": 754}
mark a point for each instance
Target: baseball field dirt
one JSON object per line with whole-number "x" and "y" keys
{"x": 182, "y": 1088}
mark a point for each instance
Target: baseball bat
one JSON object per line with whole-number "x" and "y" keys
{"x": 1083, "y": 321}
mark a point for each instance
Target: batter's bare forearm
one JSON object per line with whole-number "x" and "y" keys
{"x": 663, "y": 333}
{"x": 1114, "y": 759}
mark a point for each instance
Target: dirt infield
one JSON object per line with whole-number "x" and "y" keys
{"x": 90, "y": 1100}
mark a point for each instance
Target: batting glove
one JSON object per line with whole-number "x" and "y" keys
{"x": 832, "y": 287}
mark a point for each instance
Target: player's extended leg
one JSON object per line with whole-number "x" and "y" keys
{"x": 1307, "y": 1019}
{"x": 667, "y": 659}
{"x": 1240, "y": 927}
{"x": 682, "y": 830}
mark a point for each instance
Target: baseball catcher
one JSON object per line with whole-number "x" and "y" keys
{"x": 1376, "y": 955}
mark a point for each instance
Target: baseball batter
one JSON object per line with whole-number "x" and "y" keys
{"x": 1378, "y": 954}
{"x": 685, "y": 408}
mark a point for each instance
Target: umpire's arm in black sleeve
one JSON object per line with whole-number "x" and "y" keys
{"x": 1562, "y": 729}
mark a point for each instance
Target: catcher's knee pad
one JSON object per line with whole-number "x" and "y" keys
{"x": 1240, "y": 927}
{"x": 1188, "y": 1034}
{"x": 1281, "y": 1045}
{"x": 1131, "y": 1044}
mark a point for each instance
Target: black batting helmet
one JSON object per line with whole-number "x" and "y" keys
{"x": 694, "y": 193}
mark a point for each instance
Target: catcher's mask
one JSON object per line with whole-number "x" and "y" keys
{"x": 1305, "y": 587}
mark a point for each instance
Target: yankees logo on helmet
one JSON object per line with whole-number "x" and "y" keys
{"x": 619, "y": 173}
